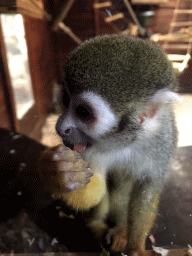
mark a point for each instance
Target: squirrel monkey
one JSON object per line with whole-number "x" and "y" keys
{"x": 119, "y": 133}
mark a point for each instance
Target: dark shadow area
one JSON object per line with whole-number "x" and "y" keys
{"x": 31, "y": 220}
{"x": 34, "y": 222}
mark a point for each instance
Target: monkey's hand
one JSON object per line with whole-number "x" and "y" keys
{"x": 66, "y": 175}
{"x": 63, "y": 170}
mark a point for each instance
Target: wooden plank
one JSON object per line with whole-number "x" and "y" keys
{"x": 6, "y": 88}
{"x": 115, "y": 17}
{"x": 61, "y": 13}
{"x": 148, "y": 1}
{"x": 184, "y": 64}
{"x": 176, "y": 46}
{"x": 29, "y": 8}
{"x": 176, "y": 57}
{"x": 181, "y": 24}
{"x": 68, "y": 31}
{"x": 171, "y": 37}
{"x": 102, "y": 5}
{"x": 176, "y": 64}
{"x": 187, "y": 11}
{"x": 179, "y": 66}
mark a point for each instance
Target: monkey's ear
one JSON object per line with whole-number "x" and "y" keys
{"x": 154, "y": 104}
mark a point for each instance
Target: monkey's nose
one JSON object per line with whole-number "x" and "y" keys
{"x": 68, "y": 131}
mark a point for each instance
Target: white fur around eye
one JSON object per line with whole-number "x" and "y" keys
{"x": 106, "y": 119}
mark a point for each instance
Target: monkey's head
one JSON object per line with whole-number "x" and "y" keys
{"x": 114, "y": 85}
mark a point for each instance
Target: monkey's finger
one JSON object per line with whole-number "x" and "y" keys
{"x": 82, "y": 166}
{"x": 75, "y": 185}
{"x": 73, "y": 180}
{"x": 80, "y": 177}
{"x": 60, "y": 153}
{"x": 63, "y": 153}
{"x": 79, "y": 166}
{"x": 63, "y": 166}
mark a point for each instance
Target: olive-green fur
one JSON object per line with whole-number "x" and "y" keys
{"x": 132, "y": 68}
{"x": 133, "y": 153}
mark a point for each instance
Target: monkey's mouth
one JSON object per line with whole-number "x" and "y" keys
{"x": 77, "y": 140}
{"x": 77, "y": 146}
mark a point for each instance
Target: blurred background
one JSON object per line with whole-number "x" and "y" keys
{"x": 37, "y": 36}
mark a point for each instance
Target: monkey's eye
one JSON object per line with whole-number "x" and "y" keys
{"x": 84, "y": 112}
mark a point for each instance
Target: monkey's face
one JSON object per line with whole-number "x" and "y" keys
{"x": 114, "y": 88}
{"x": 86, "y": 118}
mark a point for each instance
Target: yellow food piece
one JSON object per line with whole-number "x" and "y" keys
{"x": 88, "y": 196}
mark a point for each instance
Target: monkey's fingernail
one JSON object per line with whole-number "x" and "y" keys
{"x": 56, "y": 156}
{"x": 73, "y": 186}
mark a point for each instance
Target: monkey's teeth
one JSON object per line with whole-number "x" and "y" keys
{"x": 79, "y": 148}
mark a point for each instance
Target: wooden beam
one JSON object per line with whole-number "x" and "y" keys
{"x": 187, "y": 11}
{"x": 184, "y": 64}
{"x": 30, "y": 8}
{"x": 181, "y": 24}
{"x": 148, "y": 1}
{"x": 134, "y": 17}
{"x": 115, "y": 17}
{"x": 179, "y": 66}
{"x": 5, "y": 80}
{"x": 176, "y": 57}
{"x": 102, "y": 5}
{"x": 171, "y": 37}
{"x": 68, "y": 31}
{"x": 61, "y": 13}
{"x": 176, "y": 46}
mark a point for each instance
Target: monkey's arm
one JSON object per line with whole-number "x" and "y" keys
{"x": 142, "y": 213}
